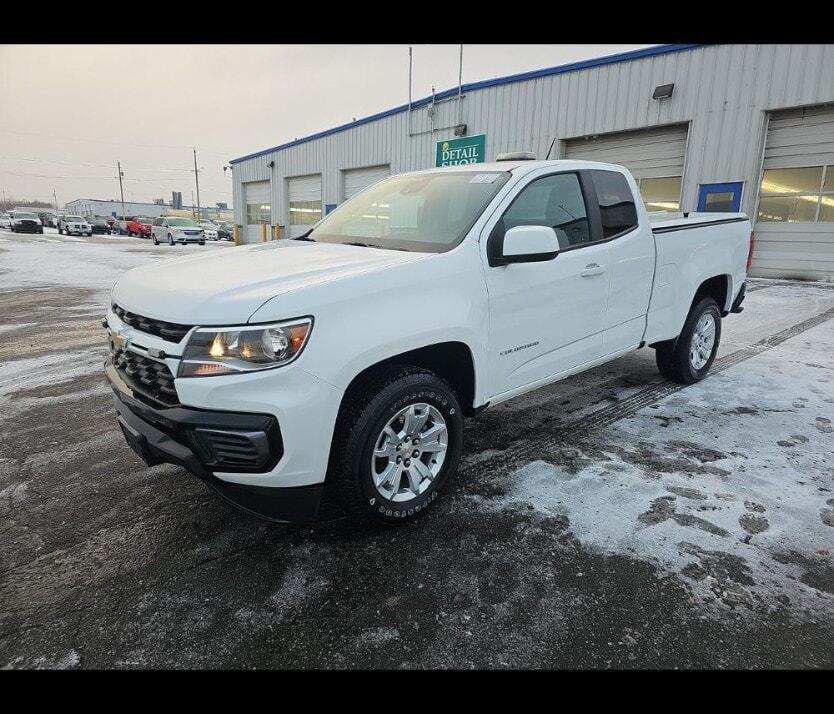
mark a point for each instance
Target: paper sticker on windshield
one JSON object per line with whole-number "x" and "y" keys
{"x": 483, "y": 178}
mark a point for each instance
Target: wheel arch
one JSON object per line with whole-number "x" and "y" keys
{"x": 452, "y": 361}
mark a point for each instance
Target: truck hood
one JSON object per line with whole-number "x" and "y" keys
{"x": 226, "y": 286}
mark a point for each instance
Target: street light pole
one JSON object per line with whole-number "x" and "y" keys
{"x": 197, "y": 181}
{"x": 121, "y": 190}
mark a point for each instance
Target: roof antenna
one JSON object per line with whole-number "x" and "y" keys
{"x": 552, "y": 144}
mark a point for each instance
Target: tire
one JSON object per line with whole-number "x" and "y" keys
{"x": 155, "y": 241}
{"x": 373, "y": 403}
{"x": 202, "y": 242}
{"x": 681, "y": 361}
{"x": 170, "y": 239}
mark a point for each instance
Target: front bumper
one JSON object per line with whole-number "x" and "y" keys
{"x": 184, "y": 436}
{"x": 27, "y": 228}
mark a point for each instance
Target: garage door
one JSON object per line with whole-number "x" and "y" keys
{"x": 304, "y": 198}
{"x": 654, "y": 156}
{"x": 795, "y": 210}
{"x": 357, "y": 180}
{"x": 256, "y": 197}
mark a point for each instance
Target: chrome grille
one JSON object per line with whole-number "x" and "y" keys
{"x": 166, "y": 330}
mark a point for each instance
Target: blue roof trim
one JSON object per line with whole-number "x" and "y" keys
{"x": 483, "y": 84}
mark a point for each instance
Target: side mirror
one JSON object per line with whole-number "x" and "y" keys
{"x": 528, "y": 244}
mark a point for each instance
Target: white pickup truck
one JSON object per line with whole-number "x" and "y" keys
{"x": 337, "y": 367}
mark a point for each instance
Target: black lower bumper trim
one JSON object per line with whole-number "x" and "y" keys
{"x": 158, "y": 436}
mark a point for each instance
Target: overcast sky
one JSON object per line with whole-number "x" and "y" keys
{"x": 69, "y": 113}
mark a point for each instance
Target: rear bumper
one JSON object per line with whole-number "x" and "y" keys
{"x": 177, "y": 435}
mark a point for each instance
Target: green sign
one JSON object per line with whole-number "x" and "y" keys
{"x": 467, "y": 150}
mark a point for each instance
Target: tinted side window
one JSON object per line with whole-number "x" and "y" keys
{"x": 554, "y": 201}
{"x": 616, "y": 202}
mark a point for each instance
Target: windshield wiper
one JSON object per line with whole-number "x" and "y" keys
{"x": 378, "y": 247}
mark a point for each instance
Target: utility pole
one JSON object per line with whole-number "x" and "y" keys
{"x": 121, "y": 190}
{"x": 197, "y": 181}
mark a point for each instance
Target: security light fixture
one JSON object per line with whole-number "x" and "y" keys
{"x": 271, "y": 164}
{"x": 460, "y": 130}
{"x": 663, "y": 91}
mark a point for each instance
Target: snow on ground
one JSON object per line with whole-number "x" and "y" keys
{"x": 69, "y": 262}
{"x": 736, "y": 493}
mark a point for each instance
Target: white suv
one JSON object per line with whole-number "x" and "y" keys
{"x": 171, "y": 230}
{"x": 74, "y": 224}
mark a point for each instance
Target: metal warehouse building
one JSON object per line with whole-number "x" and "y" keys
{"x": 702, "y": 128}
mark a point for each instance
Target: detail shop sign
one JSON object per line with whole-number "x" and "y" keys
{"x": 466, "y": 150}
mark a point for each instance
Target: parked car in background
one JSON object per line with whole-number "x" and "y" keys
{"x": 25, "y": 222}
{"x": 5, "y": 220}
{"x": 47, "y": 218}
{"x": 171, "y": 230}
{"x": 119, "y": 227}
{"x": 293, "y": 362}
{"x": 145, "y": 225}
{"x": 99, "y": 225}
{"x": 135, "y": 226}
{"x": 74, "y": 225}
{"x": 110, "y": 220}
{"x": 226, "y": 231}
{"x": 210, "y": 230}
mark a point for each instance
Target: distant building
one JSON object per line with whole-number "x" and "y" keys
{"x": 98, "y": 207}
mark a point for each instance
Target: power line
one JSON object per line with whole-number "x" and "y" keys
{"x": 91, "y": 165}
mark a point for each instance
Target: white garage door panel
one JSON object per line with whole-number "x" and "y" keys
{"x": 305, "y": 188}
{"x": 800, "y": 137}
{"x": 254, "y": 192}
{"x": 797, "y": 138}
{"x": 357, "y": 180}
{"x": 302, "y": 188}
{"x": 648, "y": 153}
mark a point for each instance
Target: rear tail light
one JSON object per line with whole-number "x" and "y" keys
{"x": 750, "y": 251}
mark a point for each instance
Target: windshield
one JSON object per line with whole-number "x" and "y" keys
{"x": 21, "y": 214}
{"x": 424, "y": 213}
{"x": 99, "y": 221}
{"x": 182, "y": 222}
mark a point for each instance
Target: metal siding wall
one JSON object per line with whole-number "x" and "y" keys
{"x": 724, "y": 91}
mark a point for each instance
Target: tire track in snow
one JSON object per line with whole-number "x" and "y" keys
{"x": 527, "y": 448}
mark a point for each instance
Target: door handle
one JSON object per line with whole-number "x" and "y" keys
{"x": 592, "y": 269}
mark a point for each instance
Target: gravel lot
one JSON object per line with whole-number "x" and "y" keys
{"x": 611, "y": 520}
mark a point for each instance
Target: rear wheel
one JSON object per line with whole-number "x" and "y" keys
{"x": 155, "y": 241}
{"x": 689, "y": 359}
{"x": 170, "y": 239}
{"x": 397, "y": 441}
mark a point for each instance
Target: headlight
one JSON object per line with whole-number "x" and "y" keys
{"x": 228, "y": 350}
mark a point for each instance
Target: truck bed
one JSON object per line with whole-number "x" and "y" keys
{"x": 666, "y": 221}
{"x": 690, "y": 249}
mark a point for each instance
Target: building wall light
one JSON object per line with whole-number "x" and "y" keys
{"x": 663, "y": 91}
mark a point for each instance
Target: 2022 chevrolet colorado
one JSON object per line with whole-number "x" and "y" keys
{"x": 342, "y": 363}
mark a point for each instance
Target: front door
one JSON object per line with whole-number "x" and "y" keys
{"x": 720, "y": 197}
{"x": 546, "y": 318}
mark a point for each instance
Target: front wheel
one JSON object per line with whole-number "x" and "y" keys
{"x": 690, "y": 358}
{"x": 397, "y": 441}
{"x": 170, "y": 239}
{"x": 155, "y": 241}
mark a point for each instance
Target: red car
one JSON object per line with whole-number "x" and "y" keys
{"x": 139, "y": 226}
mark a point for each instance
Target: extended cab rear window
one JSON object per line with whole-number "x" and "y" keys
{"x": 616, "y": 202}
